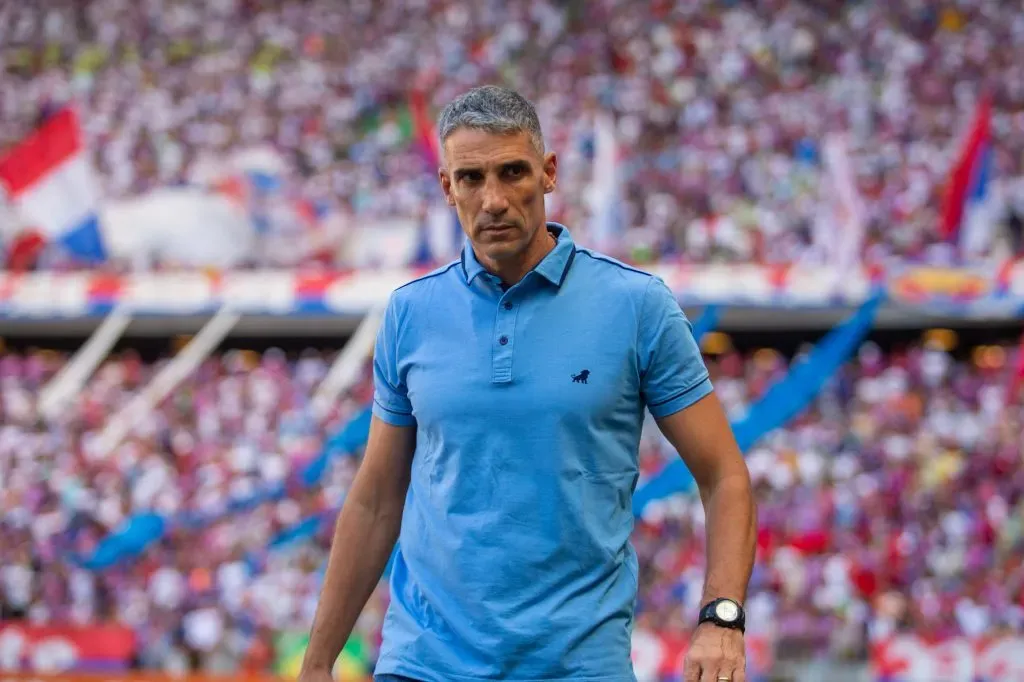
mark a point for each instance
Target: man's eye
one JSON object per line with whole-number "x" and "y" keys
{"x": 514, "y": 171}
{"x": 471, "y": 178}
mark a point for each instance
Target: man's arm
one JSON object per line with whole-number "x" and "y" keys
{"x": 702, "y": 436}
{"x": 364, "y": 538}
{"x": 677, "y": 390}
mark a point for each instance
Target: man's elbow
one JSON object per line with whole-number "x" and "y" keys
{"x": 728, "y": 476}
{"x": 733, "y": 486}
{"x": 377, "y": 502}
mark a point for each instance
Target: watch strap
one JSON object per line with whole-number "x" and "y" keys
{"x": 708, "y": 614}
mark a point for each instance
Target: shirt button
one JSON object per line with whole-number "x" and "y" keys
{"x": 503, "y": 340}
{"x": 508, "y": 305}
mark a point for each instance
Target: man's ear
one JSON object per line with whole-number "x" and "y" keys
{"x": 446, "y": 185}
{"x": 550, "y": 172}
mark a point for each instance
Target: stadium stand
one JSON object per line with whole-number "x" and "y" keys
{"x": 721, "y": 108}
{"x": 896, "y": 503}
{"x": 891, "y": 508}
{"x": 241, "y": 421}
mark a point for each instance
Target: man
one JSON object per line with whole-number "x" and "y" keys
{"x": 510, "y": 389}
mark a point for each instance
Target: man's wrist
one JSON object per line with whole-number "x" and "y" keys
{"x": 724, "y": 613}
{"x": 708, "y": 625}
{"x": 316, "y": 664}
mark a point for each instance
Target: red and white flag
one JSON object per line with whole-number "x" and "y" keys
{"x": 49, "y": 182}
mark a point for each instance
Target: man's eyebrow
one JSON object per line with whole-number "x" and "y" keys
{"x": 465, "y": 170}
{"x": 512, "y": 163}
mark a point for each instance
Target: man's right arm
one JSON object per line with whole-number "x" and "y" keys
{"x": 364, "y": 537}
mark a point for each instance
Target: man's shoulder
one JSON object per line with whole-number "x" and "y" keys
{"x": 613, "y": 273}
{"x": 419, "y": 285}
{"x": 404, "y": 300}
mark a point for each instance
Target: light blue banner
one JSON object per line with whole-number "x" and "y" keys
{"x": 131, "y": 539}
{"x": 143, "y": 530}
{"x": 707, "y": 322}
{"x": 783, "y": 401}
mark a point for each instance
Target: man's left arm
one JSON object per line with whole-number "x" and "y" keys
{"x": 702, "y": 436}
{"x": 678, "y": 392}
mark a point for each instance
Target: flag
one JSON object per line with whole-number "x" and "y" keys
{"x": 606, "y": 220}
{"x": 423, "y": 130}
{"x": 424, "y": 255}
{"x": 444, "y": 233}
{"x": 843, "y": 226}
{"x": 966, "y": 202}
{"x": 263, "y": 168}
{"x": 24, "y": 251}
{"x": 50, "y": 184}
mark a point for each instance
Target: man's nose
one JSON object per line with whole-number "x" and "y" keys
{"x": 495, "y": 201}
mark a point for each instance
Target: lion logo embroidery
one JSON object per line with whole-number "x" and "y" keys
{"x": 582, "y": 377}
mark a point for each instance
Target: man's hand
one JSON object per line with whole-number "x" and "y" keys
{"x": 315, "y": 676}
{"x": 715, "y": 655}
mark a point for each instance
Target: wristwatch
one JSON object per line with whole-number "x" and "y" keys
{"x": 725, "y": 613}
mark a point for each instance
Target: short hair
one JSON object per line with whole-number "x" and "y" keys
{"x": 493, "y": 109}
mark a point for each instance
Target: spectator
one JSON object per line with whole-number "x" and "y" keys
{"x": 731, "y": 100}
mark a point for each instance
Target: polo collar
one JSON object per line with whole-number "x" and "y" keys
{"x": 553, "y": 267}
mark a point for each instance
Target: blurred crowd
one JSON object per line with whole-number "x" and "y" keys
{"x": 240, "y": 424}
{"x": 895, "y": 503}
{"x": 720, "y": 106}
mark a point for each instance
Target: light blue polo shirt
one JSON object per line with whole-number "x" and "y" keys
{"x": 514, "y": 560}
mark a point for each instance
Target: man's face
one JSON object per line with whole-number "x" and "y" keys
{"x": 497, "y": 184}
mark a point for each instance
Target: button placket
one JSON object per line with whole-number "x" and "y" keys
{"x": 504, "y": 342}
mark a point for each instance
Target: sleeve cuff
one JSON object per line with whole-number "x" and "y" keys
{"x": 391, "y": 416}
{"x": 681, "y": 400}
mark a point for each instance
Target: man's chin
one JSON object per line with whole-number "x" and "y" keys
{"x": 501, "y": 236}
{"x": 499, "y": 248}
{"x": 502, "y": 251}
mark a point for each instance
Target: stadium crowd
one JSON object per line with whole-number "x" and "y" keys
{"x": 721, "y": 106}
{"x": 896, "y": 502}
{"x": 240, "y": 424}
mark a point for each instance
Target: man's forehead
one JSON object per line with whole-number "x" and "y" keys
{"x": 468, "y": 146}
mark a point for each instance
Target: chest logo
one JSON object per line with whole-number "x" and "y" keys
{"x": 582, "y": 377}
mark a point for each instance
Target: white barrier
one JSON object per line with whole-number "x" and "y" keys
{"x": 173, "y": 373}
{"x": 74, "y": 374}
{"x": 345, "y": 370}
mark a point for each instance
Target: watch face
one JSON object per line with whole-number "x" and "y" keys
{"x": 727, "y": 611}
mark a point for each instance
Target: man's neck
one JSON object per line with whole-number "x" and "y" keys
{"x": 511, "y": 272}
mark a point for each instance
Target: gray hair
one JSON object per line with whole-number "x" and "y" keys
{"x": 493, "y": 109}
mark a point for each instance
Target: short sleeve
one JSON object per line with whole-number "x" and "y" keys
{"x": 390, "y": 395}
{"x": 673, "y": 375}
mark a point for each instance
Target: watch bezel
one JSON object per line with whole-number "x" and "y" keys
{"x": 709, "y": 614}
{"x": 729, "y": 605}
